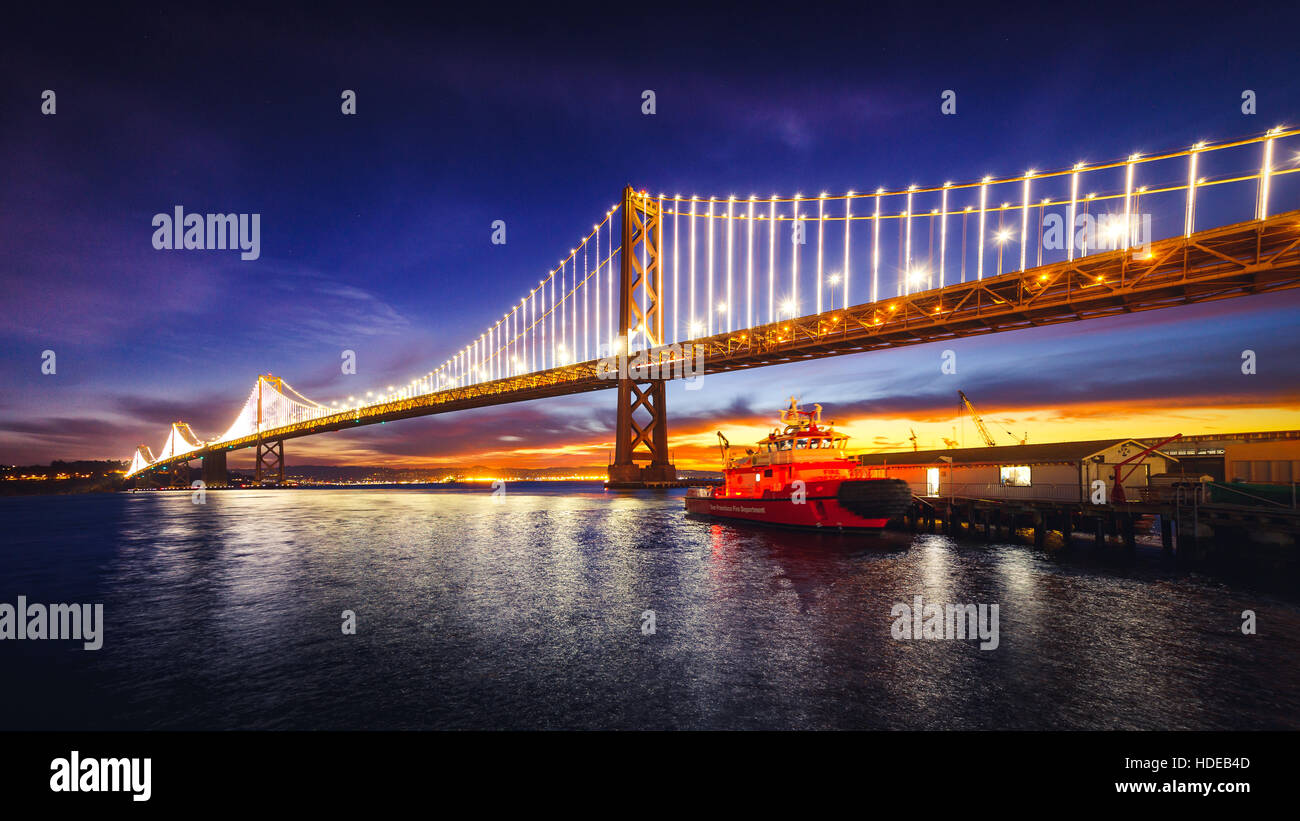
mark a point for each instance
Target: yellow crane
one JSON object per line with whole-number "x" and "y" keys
{"x": 966, "y": 405}
{"x": 979, "y": 423}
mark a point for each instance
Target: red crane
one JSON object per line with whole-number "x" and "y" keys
{"x": 1117, "y": 494}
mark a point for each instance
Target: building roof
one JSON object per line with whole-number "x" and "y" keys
{"x": 1000, "y": 454}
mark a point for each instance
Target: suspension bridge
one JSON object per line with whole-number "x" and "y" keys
{"x": 698, "y": 285}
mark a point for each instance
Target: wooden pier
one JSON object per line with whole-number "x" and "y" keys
{"x": 1193, "y": 532}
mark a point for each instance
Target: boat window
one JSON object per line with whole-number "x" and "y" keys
{"x": 784, "y": 444}
{"x": 802, "y": 444}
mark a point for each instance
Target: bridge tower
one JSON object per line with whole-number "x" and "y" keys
{"x": 641, "y": 431}
{"x": 270, "y": 455}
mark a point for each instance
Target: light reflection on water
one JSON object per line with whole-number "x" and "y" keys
{"x": 526, "y": 612}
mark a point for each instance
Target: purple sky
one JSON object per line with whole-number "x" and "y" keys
{"x": 375, "y": 228}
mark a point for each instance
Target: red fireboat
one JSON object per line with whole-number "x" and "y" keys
{"x": 800, "y": 476}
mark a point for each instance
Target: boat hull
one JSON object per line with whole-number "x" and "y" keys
{"x": 853, "y": 505}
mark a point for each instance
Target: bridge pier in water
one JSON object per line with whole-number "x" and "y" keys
{"x": 641, "y": 430}
{"x": 214, "y": 469}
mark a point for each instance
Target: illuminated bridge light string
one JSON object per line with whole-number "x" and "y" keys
{"x": 796, "y": 239}
{"x": 821, "y": 233}
{"x": 847, "y": 266}
{"x": 691, "y": 329}
{"x": 875, "y": 248}
{"x": 596, "y": 300}
{"x": 907, "y": 248}
{"x": 708, "y": 310}
{"x": 749, "y": 267}
{"x": 677, "y": 207}
{"x": 1024, "y": 219}
{"x": 771, "y": 260}
{"x": 1069, "y": 222}
{"x": 979, "y": 272}
{"x": 731, "y": 203}
{"x": 943, "y": 233}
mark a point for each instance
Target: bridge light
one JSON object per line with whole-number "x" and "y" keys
{"x": 1114, "y": 230}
